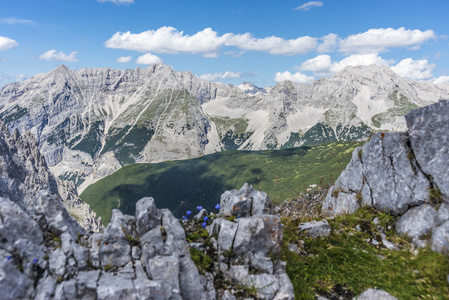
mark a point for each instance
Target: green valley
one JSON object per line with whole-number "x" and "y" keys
{"x": 184, "y": 185}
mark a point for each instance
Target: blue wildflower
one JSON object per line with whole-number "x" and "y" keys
{"x": 206, "y": 218}
{"x": 35, "y": 261}
{"x": 184, "y": 217}
{"x": 217, "y": 206}
{"x": 199, "y": 207}
{"x": 8, "y": 257}
{"x": 204, "y": 225}
{"x": 188, "y": 213}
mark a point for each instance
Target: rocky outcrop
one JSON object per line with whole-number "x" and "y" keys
{"x": 247, "y": 239}
{"x": 404, "y": 174}
{"x": 24, "y": 172}
{"x": 45, "y": 254}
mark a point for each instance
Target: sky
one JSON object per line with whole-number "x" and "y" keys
{"x": 263, "y": 42}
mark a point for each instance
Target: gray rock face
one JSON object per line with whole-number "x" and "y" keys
{"x": 24, "y": 172}
{"x": 315, "y": 229}
{"x": 404, "y": 174}
{"x": 245, "y": 246}
{"x": 429, "y": 140}
{"x": 117, "y": 264}
{"x": 372, "y": 294}
{"x": 245, "y": 202}
{"x": 145, "y": 256}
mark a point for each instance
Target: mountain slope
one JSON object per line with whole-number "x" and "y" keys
{"x": 89, "y": 123}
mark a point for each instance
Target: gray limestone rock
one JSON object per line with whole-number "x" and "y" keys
{"x": 245, "y": 202}
{"x": 115, "y": 249}
{"x": 146, "y": 215}
{"x": 373, "y": 294}
{"x": 16, "y": 224}
{"x": 58, "y": 261}
{"x": 429, "y": 140}
{"x": 439, "y": 241}
{"x": 315, "y": 229}
{"x": 404, "y": 174}
{"x": 417, "y": 222}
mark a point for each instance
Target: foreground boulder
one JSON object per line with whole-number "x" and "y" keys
{"x": 248, "y": 244}
{"x": 404, "y": 174}
{"x": 46, "y": 254}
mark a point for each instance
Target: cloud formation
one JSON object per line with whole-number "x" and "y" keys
{"x": 441, "y": 79}
{"x": 21, "y": 77}
{"x": 323, "y": 66}
{"x": 124, "y": 59}
{"x": 414, "y": 69}
{"x": 148, "y": 59}
{"x": 15, "y": 21}
{"x": 118, "y": 2}
{"x": 381, "y": 39}
{"x": 309, "y": 5}
{"x": 208, "y": 43}
{"x": 7, "y": 43}
{"x": 53, "y": 55}
{"x": 297, "y": 77}
{"x": 216, "y": 76}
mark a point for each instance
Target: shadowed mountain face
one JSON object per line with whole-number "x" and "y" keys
{"x": 89, "y": 123}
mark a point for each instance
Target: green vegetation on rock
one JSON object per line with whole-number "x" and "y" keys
{"x": 13, "y": 114}
{"x": 401, "y": 107}
{"x": 182, "y": 185}
{"x": 350, "y": 261}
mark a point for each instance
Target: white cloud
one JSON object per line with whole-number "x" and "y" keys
{"x": 296, "y": 77}
{"x": 124, "y": 59}
{"x": 206, "y": 42}
{"x": 52, "y": 55}
{"x": 441, "y": 79}
{"x": 15, "y": 21}
{"x": 148, "y": 59}
{"x": 225, "y": 75}
{"x": 7, "y": 43}
{"x": 167, "y": 40}
{"x": 329, "y": 43}
{"x": 118, "y": 2}
{"x": 414, "y": 69}
{"x": 21, "y": 77}
{"x": 379, "y": 40}
{"x": 323, "y": 66}
{"x": 309, "y": 5}
{"x": 272, "y": 44}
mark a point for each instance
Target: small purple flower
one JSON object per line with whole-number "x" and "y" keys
{"x": 8, "y": 257}
{"x": 204, "y": 225}
{"x": 35, "y": 261}
{"x": 199, "y": 207}
{"x": 217, "y": 206}
{"x": 238, "y": 217}
{"x": 206, "y": 218}
{"x": 188, "y": 213}
{"x": 184, "y": 217}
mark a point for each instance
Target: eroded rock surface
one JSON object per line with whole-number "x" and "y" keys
{"x": 405, "y": 174}
{"x": 247, "y": 245}
{"x": 24, "y": 172}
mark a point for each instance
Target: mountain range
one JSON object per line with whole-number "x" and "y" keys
{"x": 89, "y": 123}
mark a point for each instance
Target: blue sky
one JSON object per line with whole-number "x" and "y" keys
{"x": 263, "y": 42}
